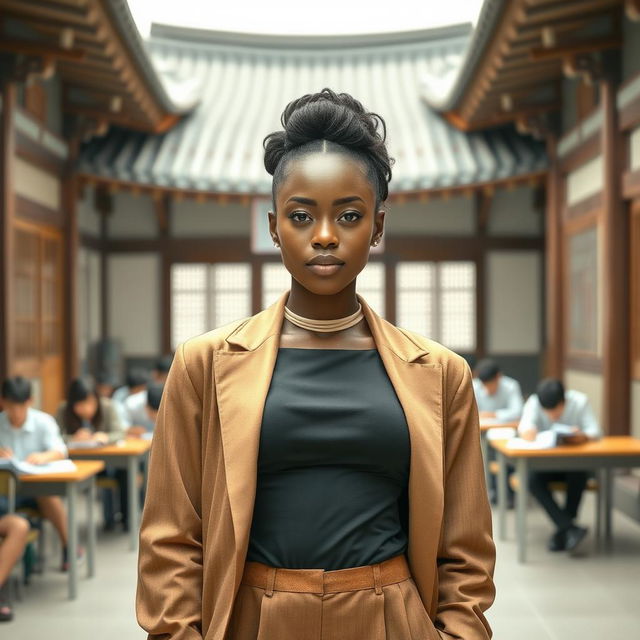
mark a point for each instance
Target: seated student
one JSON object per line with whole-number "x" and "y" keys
{"x": 33, "y": 436}
{"x": 13, "y": 540}
{"x": 499, "y": 398}
{"x": 105, "y": 384}
{"x": 84, "y": 416}
{"x": 154, "y": 396}
{"x": 136, "y": 381}
{"x": 551, "y": 405}
{"x": 131, "y": 401}
{"x": 135, "y": 407}
{"x": 161, "y": 369}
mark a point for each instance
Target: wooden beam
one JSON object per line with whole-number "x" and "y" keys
{"x": 554, "y": 347}
{"x": 545, "y": 14}
{"x": 587, "y": 46}
{"x": 615, "y": 274}
{"x": 7, "y": 212}
{"x": 31, "y": 48}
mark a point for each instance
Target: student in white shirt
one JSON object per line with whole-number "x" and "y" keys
{"x": 499, "y": 398}
{"x": 551, "y": 405}
{"x": 33, "y": 436}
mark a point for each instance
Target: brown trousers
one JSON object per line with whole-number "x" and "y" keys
{"x": 376, "y": 602}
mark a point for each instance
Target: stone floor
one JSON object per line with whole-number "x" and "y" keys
{"x": 552, "y": 597}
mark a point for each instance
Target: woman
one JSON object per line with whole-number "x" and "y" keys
{"x": 316, "y": 472}
{"x": 85, "y": 417}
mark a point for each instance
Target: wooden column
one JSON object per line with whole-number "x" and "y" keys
{"x": 7, "y": 212}
{"x": 483, "y": 200}
{"x": 554, "y": 349}
{"x": 614, "y": 234}
{"x": 72, "y": 243}
{"x": 163, "y": 209}
{"x": 103, "y": 205}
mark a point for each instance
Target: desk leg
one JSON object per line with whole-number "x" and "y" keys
{"x": 91, "y": 524}
{"x": 521, "y": 508}
{"x": 608, "y": 505}
{"x": 72, "y": 542}
{"x": 484, "y": 444}
{"x": 134, "y": 509}
{"x": 600, "y": 502}
{"x": 502, "y": 496}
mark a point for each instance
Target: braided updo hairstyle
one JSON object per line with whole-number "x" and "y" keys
{"x": 329, "y": 122}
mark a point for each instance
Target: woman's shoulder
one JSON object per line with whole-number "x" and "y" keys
{"x": 206, "y": 344}
{"x": 437, "y": 353}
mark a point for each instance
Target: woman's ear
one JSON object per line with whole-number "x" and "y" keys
{"x": 272, "y": 228}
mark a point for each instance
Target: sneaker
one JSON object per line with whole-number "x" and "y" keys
{"x": 558, "y": 541}
{"x": 6, "y": 610}
{"x": 575, "y": 535}
{"x": 65, "y": 558}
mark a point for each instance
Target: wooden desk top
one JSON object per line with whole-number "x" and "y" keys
{"x": 85, "y": 469}
{"x": 606, "y": 447}
{"x": 485, "y": 426}
{"x": 129, "y": 447}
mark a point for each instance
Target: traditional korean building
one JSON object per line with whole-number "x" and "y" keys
{"x": 132, "y": 172}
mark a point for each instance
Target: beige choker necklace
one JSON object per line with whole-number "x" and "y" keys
{"x": 324, "y": 326}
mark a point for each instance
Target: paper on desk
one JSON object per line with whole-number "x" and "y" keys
{"x": 84, "y": 444}
{"x": 544, "y": 440}
{"x": 501, "y": 433}
{"x": 487, "y": 422}
{"x": 24, "y": 468}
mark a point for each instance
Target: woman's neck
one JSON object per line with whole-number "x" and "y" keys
{"x": 322, "y": 307}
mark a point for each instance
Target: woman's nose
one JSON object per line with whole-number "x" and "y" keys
{"x": 325, "y": 235}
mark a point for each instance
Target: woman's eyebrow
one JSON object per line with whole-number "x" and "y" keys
{"x": 302, "y": 200}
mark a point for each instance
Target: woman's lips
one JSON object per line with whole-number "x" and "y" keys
{"x": 325, "y": 269}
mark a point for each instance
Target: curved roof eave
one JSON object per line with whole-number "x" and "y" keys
{"x": 286, "y": 41}
{"x": 485, "y": 27}
{"x": 124, "y": 22}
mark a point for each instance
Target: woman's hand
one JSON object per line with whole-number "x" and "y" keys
{"x": 37, "y": 458}
{"x": 137, "y": 431}
{"x": 101, "y": 437}
{"x": 5, "y": 452}
{"x": 83, "y": 434}
{"x": 529, "y": 434}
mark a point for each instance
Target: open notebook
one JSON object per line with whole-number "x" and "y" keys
{"x": 24, "y": 468}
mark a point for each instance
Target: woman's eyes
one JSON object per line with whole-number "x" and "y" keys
{"x": 299, "y": 216}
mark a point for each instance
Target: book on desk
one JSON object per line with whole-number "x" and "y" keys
{"x": 21, "y": 468}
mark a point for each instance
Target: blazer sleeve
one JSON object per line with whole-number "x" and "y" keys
{"x": 169, "y": 590}
{"x": 466, "y": 554}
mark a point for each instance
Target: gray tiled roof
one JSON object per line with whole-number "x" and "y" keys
{"x": 243, "y": 82}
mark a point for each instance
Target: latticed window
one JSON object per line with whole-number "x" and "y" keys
{"x": 275, "y": 281}
{"x": 438, "y": 300}
{"x": 370, "y": 285}
{"x": 206, "y": 296}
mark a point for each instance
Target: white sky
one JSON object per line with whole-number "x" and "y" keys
{"x": 303, "y": 17}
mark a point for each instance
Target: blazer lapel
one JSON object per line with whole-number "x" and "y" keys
{"x": 242, "y": 379}
{"x": 418, "y": 386}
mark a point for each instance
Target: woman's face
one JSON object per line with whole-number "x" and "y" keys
{"x": 325, "y": 207}
{"x": 86, "y": 409}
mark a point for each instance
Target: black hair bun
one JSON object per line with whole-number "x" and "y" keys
{"x": 337, "y": 117}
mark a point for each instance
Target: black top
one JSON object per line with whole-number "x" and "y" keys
{"x": 333, "y": 464}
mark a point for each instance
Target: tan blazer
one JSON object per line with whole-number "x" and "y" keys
{"x": 202, "y": 479}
